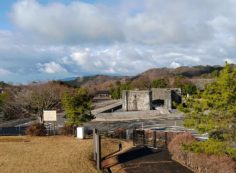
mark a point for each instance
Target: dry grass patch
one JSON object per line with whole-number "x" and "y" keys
{"x": 49, "y": 154}
{"x": 112, "y": 146}
{"x": 13, "y": 139}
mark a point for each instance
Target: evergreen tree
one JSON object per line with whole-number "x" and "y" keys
{"x": 116, "y": 92}
{"x": 159, "y": 83}
{"x": 187, "y": 87}
{"x": 78, "y": 107}
{"x": 215, "y": 109}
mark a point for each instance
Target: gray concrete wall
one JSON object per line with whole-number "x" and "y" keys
{"x": 168, "y": 95}
{"x": 162, "y": 94}
{"x": 136, "y": 100}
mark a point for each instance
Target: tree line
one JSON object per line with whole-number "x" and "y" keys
{"x": 31, "y": 100}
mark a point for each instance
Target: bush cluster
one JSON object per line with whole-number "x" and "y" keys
{"x": 211, "y": 147}
{"x": 186, "y": 150}
{"x": 36, "y": 130}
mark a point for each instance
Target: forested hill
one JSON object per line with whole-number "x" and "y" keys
{"x": 87, "y": 81}
{"x": 189, "y": 72}
{"x": 101, "y": 82}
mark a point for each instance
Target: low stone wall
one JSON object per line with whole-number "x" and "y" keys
{"x": 118, "y": 116}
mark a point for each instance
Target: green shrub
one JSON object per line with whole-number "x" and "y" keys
{"x": 36, "y": 130}
{"x": 184, "y": 149}
{"x": 211, "y": 147}
{"x": 217, "y": 134}
{"x": 231, "y": 152}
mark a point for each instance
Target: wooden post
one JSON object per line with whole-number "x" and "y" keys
{"x": 53, "y": 126}
{"x": 134, "y": 137}
{"x": 166, "y": 138}
{"x": 154, "y": 139}
{"x": 143, "y": 137}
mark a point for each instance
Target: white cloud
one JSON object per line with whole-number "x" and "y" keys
{"x": 175, "y": 65}
{"x": 76, "y": 22}
{"x": 4, "y": 72}
{"x": 80, "y": 58}
{"x": 166, "y": 21}
{"x": 126, "y": 38}
{"x": 66, "y": 60}
{"x": 118, "y": 59}
{"x": 51, "y": 68}
{"x": 230, "y": 61}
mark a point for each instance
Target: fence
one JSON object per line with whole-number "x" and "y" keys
{"x": 148, "y": 138}
{"x": 12, "y": 131}
{"x": 118, "y": 133}
{"x": 152, "y": 138}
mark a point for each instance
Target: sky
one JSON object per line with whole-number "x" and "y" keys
{"x": 56, "y": 39}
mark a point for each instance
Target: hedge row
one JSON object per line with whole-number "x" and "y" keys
{"x": 199, "y": 162}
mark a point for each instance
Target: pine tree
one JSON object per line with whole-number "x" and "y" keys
{"x": 159, "y": 83}
{"x": 77, "y": 107}
{"x": 215, "y": 109}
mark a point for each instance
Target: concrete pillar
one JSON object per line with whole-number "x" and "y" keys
{"x": 125, "y": 100}
{"x": 98, "y": 147}
{"x": 94, "y": 145}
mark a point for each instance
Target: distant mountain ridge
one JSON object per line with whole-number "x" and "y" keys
{"x": 68, "y": 79}
{"x": 93, "y": 80}
{"x": 184, "y": 71}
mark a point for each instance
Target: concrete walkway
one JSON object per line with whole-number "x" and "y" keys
{"x": 107, "y": 107}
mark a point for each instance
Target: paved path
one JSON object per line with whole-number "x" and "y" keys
{"x": 146, "y": 160}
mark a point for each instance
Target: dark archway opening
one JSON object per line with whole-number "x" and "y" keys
{"x": 158, "y": 103}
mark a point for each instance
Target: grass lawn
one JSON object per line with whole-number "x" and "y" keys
{"x": 57, "y": 154}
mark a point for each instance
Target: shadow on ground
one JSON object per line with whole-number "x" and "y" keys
{"x": 110, "y": 155}
{"x": 147, "y": 160}
{"x": 135, "y": 153}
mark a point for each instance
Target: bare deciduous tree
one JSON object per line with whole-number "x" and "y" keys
{"x": 33, "y": 99}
